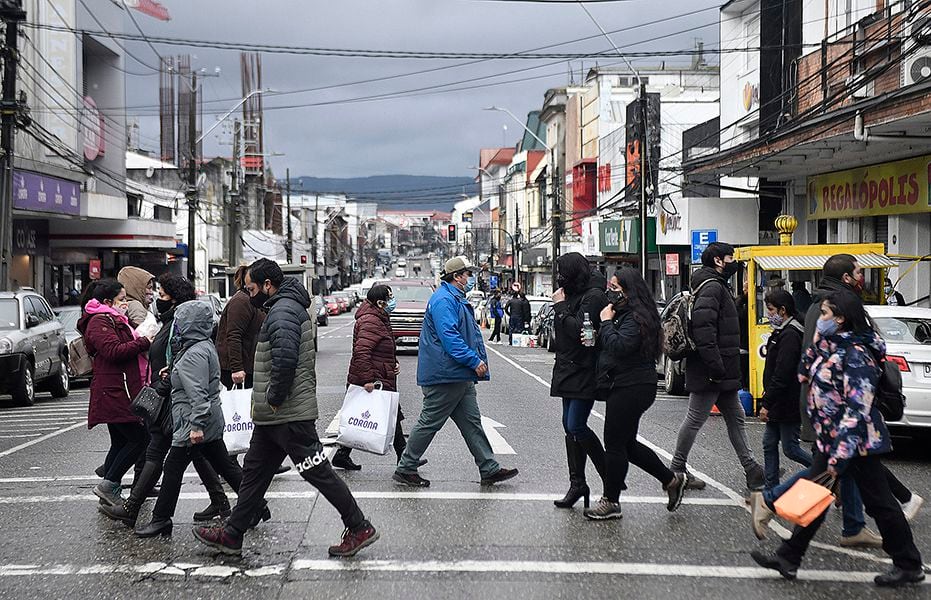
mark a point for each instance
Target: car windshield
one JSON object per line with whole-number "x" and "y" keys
{"x": 69, "y": 318}
{"x": 905, "y": 330}
{"x": 536, "y": 305}
{"x": 412, "y": 293}
{"x": 9, "y": 314}
{"x": 329, "y": 299}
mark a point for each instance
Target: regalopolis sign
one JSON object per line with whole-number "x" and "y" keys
{"x": 894, "y": 188}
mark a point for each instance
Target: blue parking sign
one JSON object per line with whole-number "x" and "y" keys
{"x": 700, "y": 240}
{"x": 493, "y": 282}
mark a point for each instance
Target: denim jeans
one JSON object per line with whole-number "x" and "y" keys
{"x": 575, "y": 412}
{"x": 851, "y": 503}
{"x": 787, "y": 435}
{"x": 700, "y": 404}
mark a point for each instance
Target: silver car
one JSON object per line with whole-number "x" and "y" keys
{"x": 33, "y": 348}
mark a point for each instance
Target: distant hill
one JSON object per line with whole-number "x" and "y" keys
{"x": 398, "y": 192}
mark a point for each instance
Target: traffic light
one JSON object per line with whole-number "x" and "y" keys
{"x": 451, "y": 235}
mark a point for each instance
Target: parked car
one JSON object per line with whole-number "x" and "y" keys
{"x": 476, "y": 299}
{"x": 407, "y": 319}
{"x": 333, "y": 307}
{"x": 542, "y": 327}
{"x": 347, "y": 298}
{"x": 402, "y": 263}
{"x": 400, "y": 273}
{"x": 536, "y": 303}
{"x": 907, "y": 332}
{"x": 33, "y": 348}
{"x": 323, "y": 316}
{"x": 68, "y": 316}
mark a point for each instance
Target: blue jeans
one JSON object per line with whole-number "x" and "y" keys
{"x": 787, "y": 435}
{"x": 851, "y": 503}
{"x": 575, "y": 414}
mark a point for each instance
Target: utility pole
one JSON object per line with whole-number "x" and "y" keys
{"x": 326, "y": 281}
{"x": 235, "y": 197}
{"x": 644, "y": 165}
{"x": 289, "y": 245}
{"x": 316, "y": 232}
{"x": 557, "y": 212}
{"x": 192, "y": 184}
{"x": 515, "y": 245}
{"x": 12, "y": 14}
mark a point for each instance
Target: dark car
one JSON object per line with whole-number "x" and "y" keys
{"x": 407, "y": 319}
{"x": 542, "y": 327}
{"x": 33, "y": 348}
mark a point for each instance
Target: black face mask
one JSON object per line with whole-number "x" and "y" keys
{"x": 259, "y": 299}
{"x": 560, "y": 281}
{"x": 616, "y": 298}
{"x": 730, "y": 269}
{"x": 163, "y": 306}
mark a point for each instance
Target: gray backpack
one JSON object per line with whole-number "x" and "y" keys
{"x": 677, "y": 324}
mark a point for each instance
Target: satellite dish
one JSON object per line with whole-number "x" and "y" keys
{"x": 201, "y": 180}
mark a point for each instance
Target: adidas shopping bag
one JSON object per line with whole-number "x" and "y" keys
{"x": 367, "y": 419}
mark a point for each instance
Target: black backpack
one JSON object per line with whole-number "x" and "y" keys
{"x": 889, "y": 398}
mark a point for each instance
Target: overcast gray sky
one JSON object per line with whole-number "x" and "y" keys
{"x": 425, "y": 134}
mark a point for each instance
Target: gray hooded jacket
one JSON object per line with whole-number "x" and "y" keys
{"x": 195, "y": 376}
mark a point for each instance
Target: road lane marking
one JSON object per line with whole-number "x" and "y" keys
{"x": 22, "y": 435}
{"x": 498, "y": 444}
{"x": 38, "y": 440}
{"x": 33, "y": 429}
{"x": 192, "y": 569}
{"x": 387, "y": 495}
{"x": 330, "y": 332}
{"x": 730, "y": 493}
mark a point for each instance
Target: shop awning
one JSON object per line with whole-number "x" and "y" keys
{"x": 815, "y": 262}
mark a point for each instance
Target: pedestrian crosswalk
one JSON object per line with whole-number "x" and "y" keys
{"x": 25, "y": 423}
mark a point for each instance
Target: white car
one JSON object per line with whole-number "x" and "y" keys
{"x": 400, "y": 273}
{"x": 907, "y": 331}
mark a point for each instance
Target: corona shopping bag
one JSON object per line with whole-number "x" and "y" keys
{"x": 237, "y": 413}
{"x": 367, "y": 419}
{"x": 804, "y": 502}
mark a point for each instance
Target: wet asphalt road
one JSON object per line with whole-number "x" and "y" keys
{"x": 454, "y": 540}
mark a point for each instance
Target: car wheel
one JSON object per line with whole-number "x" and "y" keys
{"x": 61, "y": 383}
{"x": 674, "y": 380}
{"x": 25, "y": 392}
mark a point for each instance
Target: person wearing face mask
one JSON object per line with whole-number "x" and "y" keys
{"x": 712, "y": 370}
{"x": 238, "y": 332}
{"x": 121, "y": 369}
{"x": 451, "y": 361}
{"x": 781, "y": 386}
{"x": 580, "y": 293}
{"x": 140, "y": 293}
{"x": 374, "y": 360}
{"x": 893, "y": 296}
{"x": 518, "y": 310}
{"x": 842, "y": 370}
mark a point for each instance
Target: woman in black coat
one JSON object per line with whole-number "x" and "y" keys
{"x": 579, "y": 294}
{"x": 781, "y": 387}
{"x": 630, "y": 339}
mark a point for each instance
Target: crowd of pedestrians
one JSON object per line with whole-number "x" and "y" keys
{"x": 820, "y": 380}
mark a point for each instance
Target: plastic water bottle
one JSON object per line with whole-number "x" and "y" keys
{"x": 588, "y": 332}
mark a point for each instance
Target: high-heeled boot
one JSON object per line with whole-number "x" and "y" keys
{"x": 575, "y": 457}
{"x": 592, "y": 447}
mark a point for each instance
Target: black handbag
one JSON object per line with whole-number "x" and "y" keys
{"x": 147, "y": 404}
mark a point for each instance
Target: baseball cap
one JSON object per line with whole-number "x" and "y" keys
{"x": 455, "y": 265}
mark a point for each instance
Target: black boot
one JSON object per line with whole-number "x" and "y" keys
{"x": 260, "y": 515}
{"x": 218, "y": 508}
{"x": 596, "y": 452}
{"x": 575, "y": 457}
{"x": 156, "y": 527}
{"x": 127, "y": 512}
{"x": 342, "y": 460}
{"x": 144, "y": 484}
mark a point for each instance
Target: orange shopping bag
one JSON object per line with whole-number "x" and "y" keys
{"x": 806, "y": 500}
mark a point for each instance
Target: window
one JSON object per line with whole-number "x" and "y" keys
{"x": 133, "y": 206}
{"x": 9, "y": 314}
{"x": 31, "y": 310}
{"x": 162, "y": 213}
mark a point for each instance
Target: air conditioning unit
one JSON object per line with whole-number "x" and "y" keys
{"x": 916, "y": 51}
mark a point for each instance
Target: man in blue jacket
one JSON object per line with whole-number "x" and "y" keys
{"x": 452, "y": 359}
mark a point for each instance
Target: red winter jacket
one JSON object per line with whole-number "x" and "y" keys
{"x": 116, "y": 379}
{"x": 373, "y": 349}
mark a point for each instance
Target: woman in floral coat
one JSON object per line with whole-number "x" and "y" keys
{"x": 843, "y": 368}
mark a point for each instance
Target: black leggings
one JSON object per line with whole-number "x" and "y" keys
{"x": 179, "y": 457}
{"x": 623, "y": 410}
{"x": 127, "y": 443}
{"x": 496, "y": 332}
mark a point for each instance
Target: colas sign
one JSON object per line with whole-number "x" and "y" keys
{"x": 894, "y": 188}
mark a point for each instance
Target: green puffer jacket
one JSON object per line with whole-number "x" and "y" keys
{"x": 285, "y": 359}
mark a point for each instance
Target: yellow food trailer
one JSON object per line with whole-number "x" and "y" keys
{"x": 796, "y": 263}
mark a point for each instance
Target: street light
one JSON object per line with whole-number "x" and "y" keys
{"x": 553, "y": 188}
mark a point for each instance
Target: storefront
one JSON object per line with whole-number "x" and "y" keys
{"x": 619, "y": 243}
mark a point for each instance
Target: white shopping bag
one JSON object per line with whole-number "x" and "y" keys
{"x": 367, "y": 420}
{"x": 149, "y": 327}
{"x": 237, "y": 413}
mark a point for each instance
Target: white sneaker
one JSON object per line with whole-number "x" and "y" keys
{"x": 911, "y": 507}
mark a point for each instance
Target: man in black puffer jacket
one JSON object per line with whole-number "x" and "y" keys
{"x": 712, "y": 371}
{"x": 284, "y": 410}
